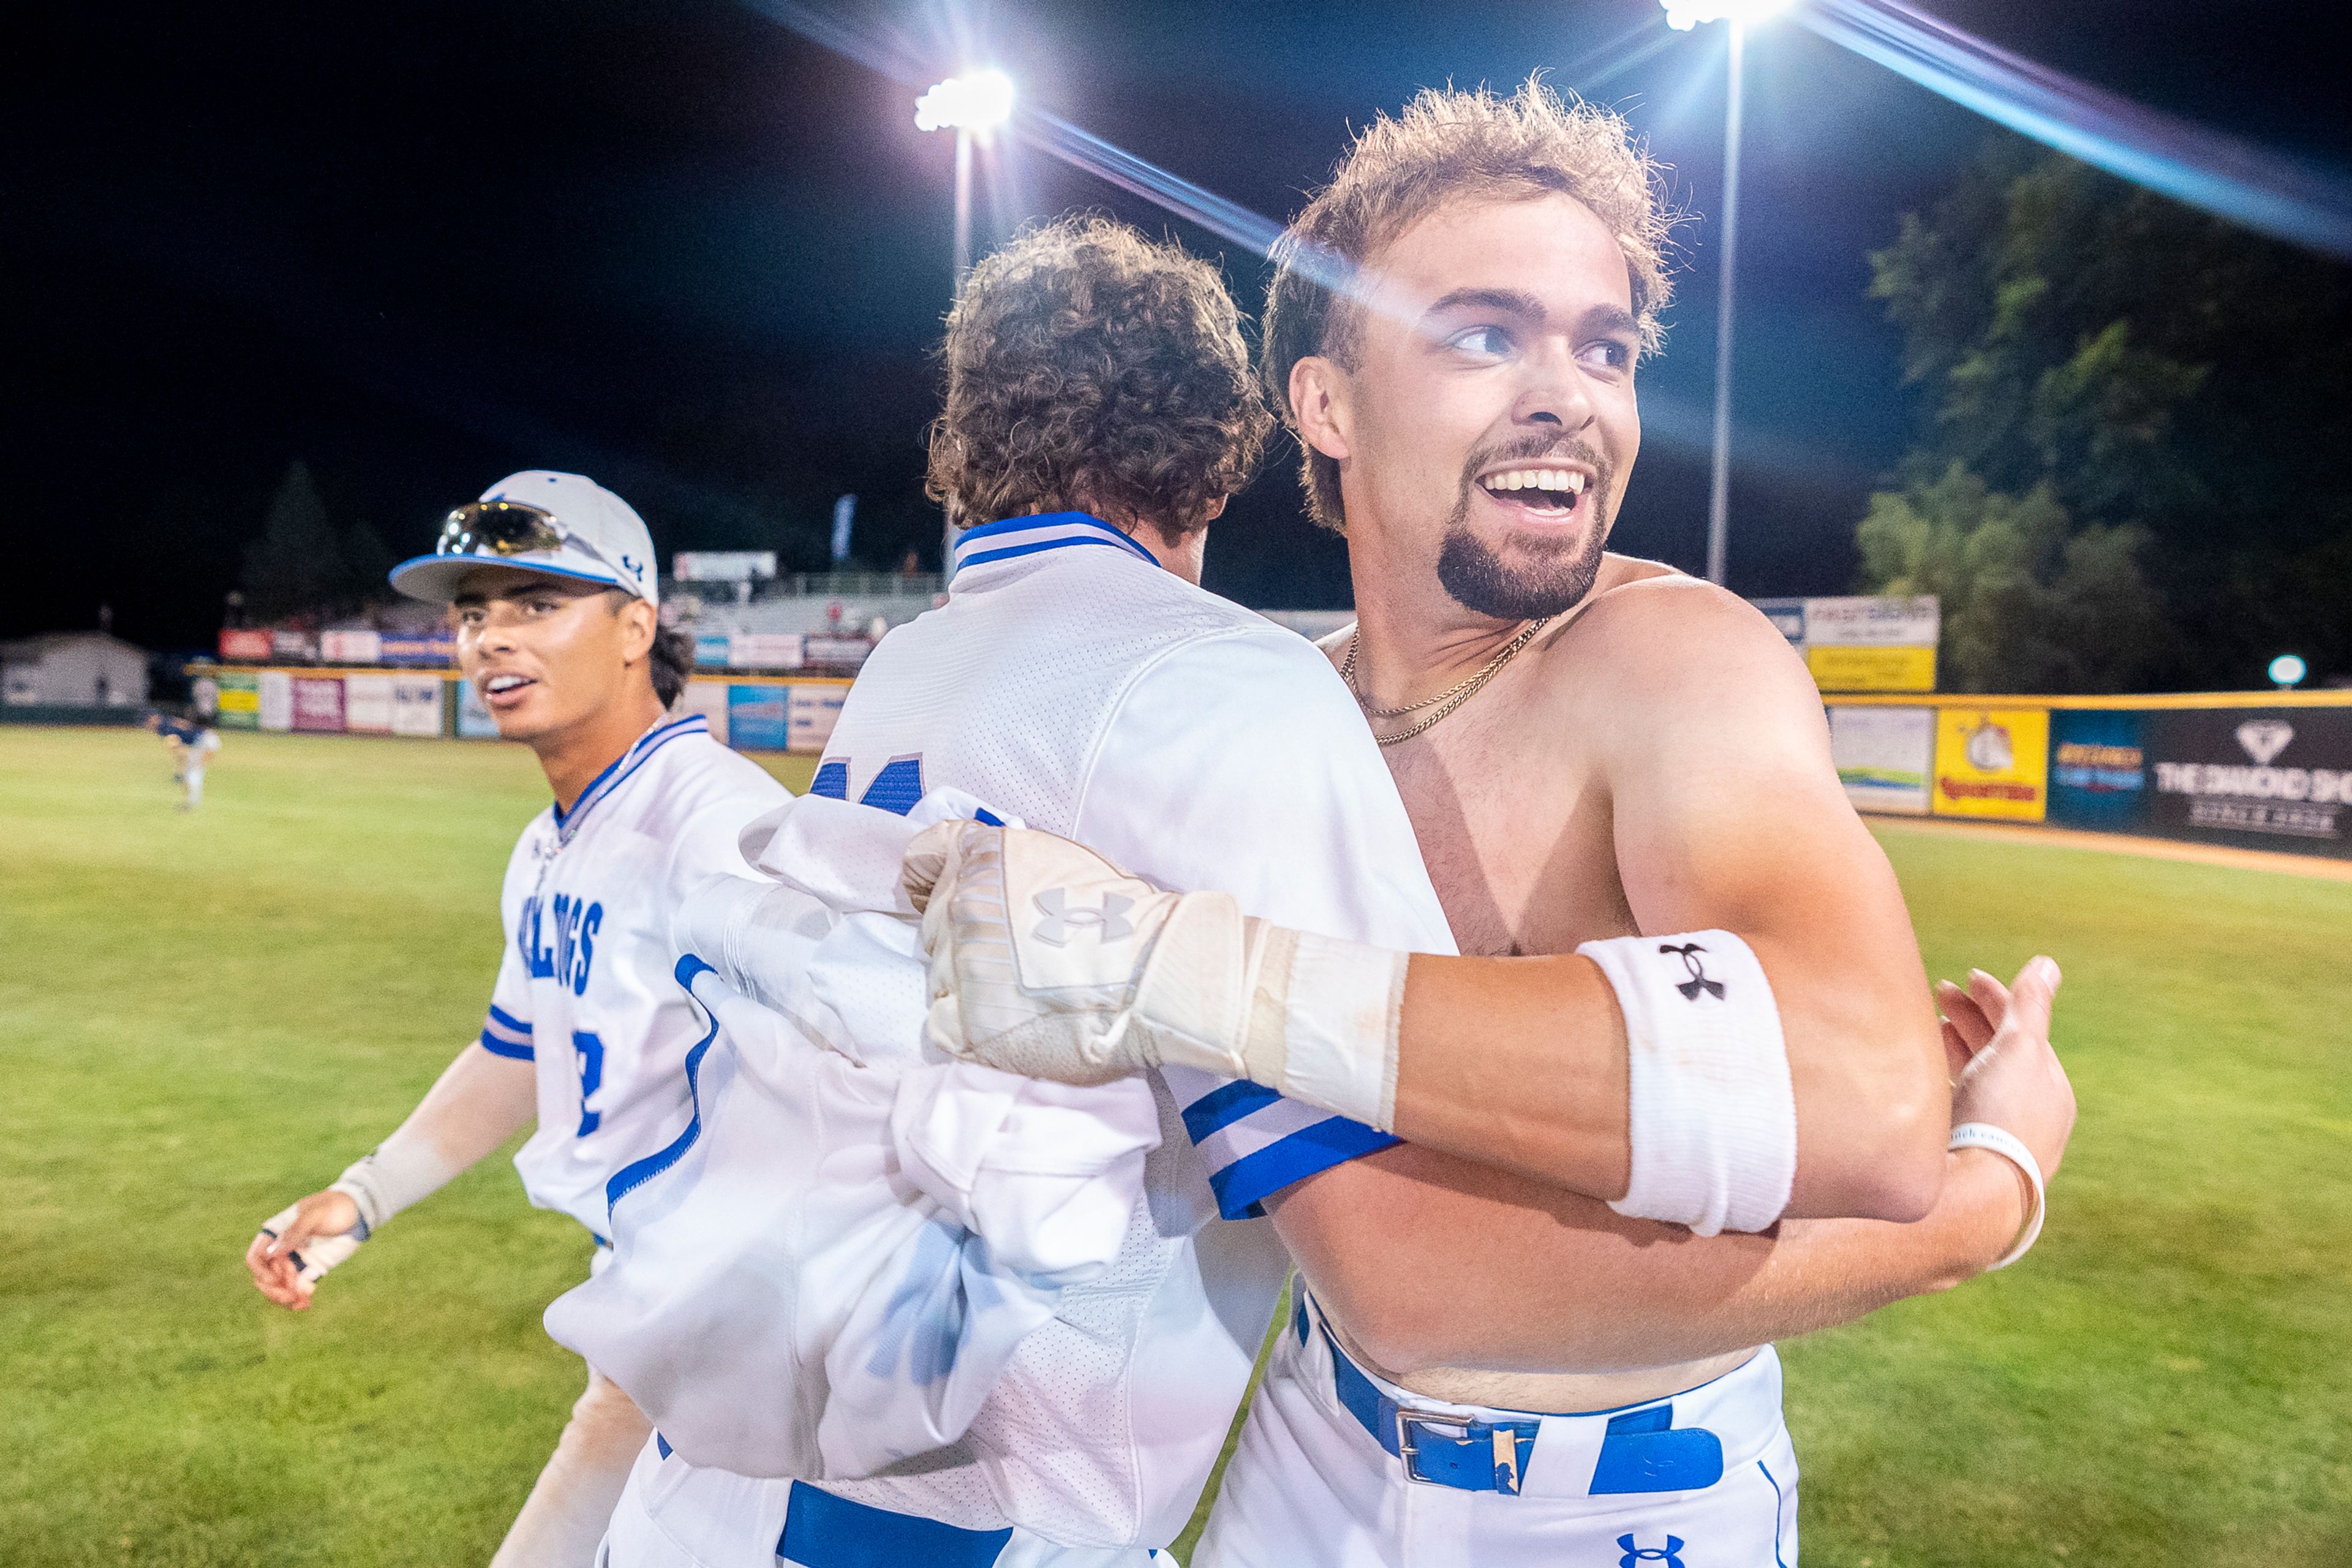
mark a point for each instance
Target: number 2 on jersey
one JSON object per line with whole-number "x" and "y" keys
{"x": 589, "y": 1055}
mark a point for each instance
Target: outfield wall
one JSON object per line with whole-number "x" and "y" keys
{"x": 750, "y": 712}
{"x": 2249, "y": 770}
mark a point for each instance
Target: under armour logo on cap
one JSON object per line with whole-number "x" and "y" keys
{"x": 1108, "y": 921}
{"x": 1698, "y": 981}
{"x": 1670, "y": 1554}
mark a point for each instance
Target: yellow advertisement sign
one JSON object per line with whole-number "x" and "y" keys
{"x": 1992, "y": 761}
{"x": 1880, "y": 669}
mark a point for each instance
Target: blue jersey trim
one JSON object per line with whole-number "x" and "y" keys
{"x": 1010, "y": 530}
{"x": 1225, "y": 1105}
{"x": 637, "y": 1172}
{"x": 605, "y": 783}
{"x": 506, "y": 1020}
{"x": 498, "y": 1047}
{"x": 1242, "y": 1186}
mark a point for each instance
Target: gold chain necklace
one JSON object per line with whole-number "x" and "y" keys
{"x": 1445, "y": 702}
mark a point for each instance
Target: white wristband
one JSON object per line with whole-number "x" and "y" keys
{"x": 1710, "y": 1108}
{"x": 2010, "y": 1147}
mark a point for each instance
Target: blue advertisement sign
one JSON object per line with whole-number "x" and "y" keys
{"x": 710, "y": 648}
{"x": 2098, "y": 769}
{"x": 757, "y": 718}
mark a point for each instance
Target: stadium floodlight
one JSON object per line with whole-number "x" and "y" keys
{"x": 2287, "y": 671}
{"x": 1685, "y": 15}
{"x": 978, "y": 100}
{"x": 976, "y": 103}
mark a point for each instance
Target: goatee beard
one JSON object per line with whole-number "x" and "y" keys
{"x": 1473, "y": 572}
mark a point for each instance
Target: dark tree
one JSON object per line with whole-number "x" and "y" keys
{"x": 297, "y": 566}
{"x": 2169, "y": 386}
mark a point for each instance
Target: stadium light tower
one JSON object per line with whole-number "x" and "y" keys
{"x": 1683, "y": 15}
{"x": 972, "y": 105}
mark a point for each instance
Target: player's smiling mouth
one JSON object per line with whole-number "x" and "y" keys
{"x": 499, "y": 689}
{"x": 1546, "y": 492}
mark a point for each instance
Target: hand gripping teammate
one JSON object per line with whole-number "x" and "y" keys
{"x": 550, "y": 581}
{"x": 1602, "y": 761}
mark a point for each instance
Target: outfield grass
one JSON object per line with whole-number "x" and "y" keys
{"x": 203, "y": 1016}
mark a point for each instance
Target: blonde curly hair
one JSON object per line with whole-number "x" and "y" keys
{"x": 1449, "y": 145}
{"x": 1092, "y": 369}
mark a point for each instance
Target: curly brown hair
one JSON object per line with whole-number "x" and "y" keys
{"x": 1449, "y": 145}
{"x": 1091, "y": 369}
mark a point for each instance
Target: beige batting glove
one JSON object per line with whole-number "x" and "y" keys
{"x": 1049, "y": 961}
{"x": 1037, "y": 947}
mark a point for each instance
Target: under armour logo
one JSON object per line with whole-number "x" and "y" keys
{"x": 1670, "y": 1554}
{"x": 1698, "y": 981}
{"x": 1061, "y": 920}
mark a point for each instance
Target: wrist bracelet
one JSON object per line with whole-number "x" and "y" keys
{"x": 2008, "y": 1146}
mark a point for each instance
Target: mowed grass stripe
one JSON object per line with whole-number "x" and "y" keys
{"x": 203, "y": 1016}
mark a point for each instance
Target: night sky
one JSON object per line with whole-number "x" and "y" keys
{"x": 683, "y": 249}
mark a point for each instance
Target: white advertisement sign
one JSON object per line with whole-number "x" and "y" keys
{"x": 277, "y": 700}
{"x": 723, "y": 565}
{"x": 417, "y": 705}
{"x": 360, "y": 647}
{"x": 765, "y": 650}
{"x": 1885, "y": 757}
{"x": 1873, "y": 621}
{"x": 367, "y": 704}
{"x": 809, "y": 717}
{"x": 708, "y": 697}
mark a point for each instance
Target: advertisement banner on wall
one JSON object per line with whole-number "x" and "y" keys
{"x": 294, "y": 647}
{"x": 1874, "y": 621}
{"x": 2260, "y": 778}
{"x": 765, "y": 650}
{"x": 708, "y": 697}
{"x": 367, "y": 704}
{"x": 240, "y": 700}
{"x": 839, "y": 653}
{"x": 814, "y": 710}
{"x": 245, "y": 647}
{"x": 711, "y": 648}
{"x": 318, "y": 704}
{"x": 360, "y": 644}
{"x": 1992, "y": 762}
{"x": 276, "y": 708}
{"x": 2098, "y": 771}
{"x": 417, "y": 701}
{"x": 1884, "y": 756}
{"x": 473, "y": 720}
{"x": 756, "y": 718}
{"x": 436, "y": 651}
{"x": 1836, "y": 668}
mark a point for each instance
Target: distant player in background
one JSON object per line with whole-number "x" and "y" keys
{"x": 552, "y": 584}
{"x": 197, "y": 744}
{"x": 191, "y": 742}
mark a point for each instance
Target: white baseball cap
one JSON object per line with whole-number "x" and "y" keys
{"x": 566, "y": 525}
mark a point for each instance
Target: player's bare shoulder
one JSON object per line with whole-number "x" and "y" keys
{"x": 1649, "y": 634}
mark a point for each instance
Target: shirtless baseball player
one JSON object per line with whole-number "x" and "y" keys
{"x": 550, "y": 581}
{"x": 1601, "y": 760}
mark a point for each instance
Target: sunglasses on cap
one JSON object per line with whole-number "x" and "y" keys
{"x": 493, "y": 529}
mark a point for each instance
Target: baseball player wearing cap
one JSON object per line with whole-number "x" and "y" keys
{"x": 550, "y": 578}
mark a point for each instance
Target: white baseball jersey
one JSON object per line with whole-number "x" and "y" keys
{"x": 1073, "y": 682}
{"x": 584, "y": 990}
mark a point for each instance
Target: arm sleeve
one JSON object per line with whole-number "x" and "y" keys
{"x": 1241, "y": 764}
